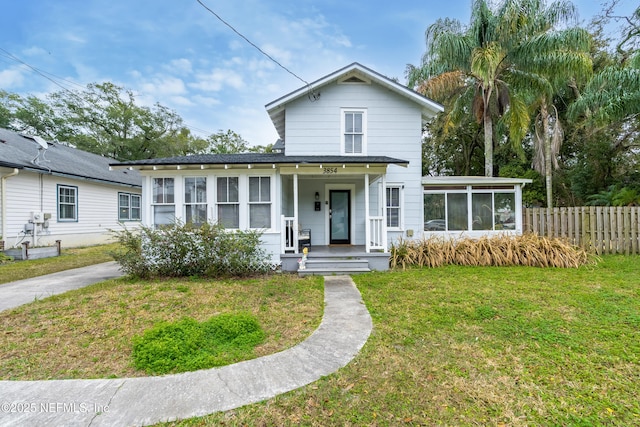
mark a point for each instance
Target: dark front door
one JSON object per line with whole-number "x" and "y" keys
{"x": 339, "y": 217}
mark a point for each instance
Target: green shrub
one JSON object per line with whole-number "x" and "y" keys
{"x": 188, "y": 345}
{"x": 182, "y": 250}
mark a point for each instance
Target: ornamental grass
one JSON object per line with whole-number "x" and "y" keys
{"x": 503, "y": 250}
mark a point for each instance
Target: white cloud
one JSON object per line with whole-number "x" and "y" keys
{"x": 34, "y": 51}
{"x": 164, "y": 85}
{"x": 218, "y": 78}
{"x": 11, "y": 77}
{"x": 182, "y": 101}
{"x": 180, "y": 66}
{"x": 73, "y": 37}
{"x": 281, "y": 55}
{"x": 205, "y": 101}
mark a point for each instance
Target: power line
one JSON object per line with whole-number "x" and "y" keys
{"x": 253, "y": 44}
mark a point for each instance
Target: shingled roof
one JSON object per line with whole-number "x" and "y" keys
{"x": 25, "y": 152}
{"x": 261, "y": 158}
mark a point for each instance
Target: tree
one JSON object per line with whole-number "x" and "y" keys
{"x": 481, "y": 69}
{"x": 226, "y": 142}
{"x": 229, "y": 142}
{"x": 106, "y": 120}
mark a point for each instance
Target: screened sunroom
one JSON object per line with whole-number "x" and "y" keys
{"x": 472, "y": 206}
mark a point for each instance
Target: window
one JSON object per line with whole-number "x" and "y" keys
{"x": 163, "y": 202}
{"x": 195, "y": 200}
{"x": 227, "y": 201}
{"x": 469, "y": 209}
{"x": 67, "y": 203}
{"x": 259, "y": 202}
{"x": 393, "y": 207}
{"x": 128, "y": 207}
{"x": 354, "y": 125}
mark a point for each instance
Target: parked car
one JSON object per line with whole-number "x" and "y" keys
{"x": 435, "y": 225}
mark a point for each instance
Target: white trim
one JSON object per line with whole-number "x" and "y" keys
{"x": 343, "y": 113}
{"x": 427, "y": 103}
{"x": 401, "y": 207}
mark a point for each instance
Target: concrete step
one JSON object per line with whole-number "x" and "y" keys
{"x": 329, "y": 263}
{"x": 331, "y": 271}
{"x": 321, "y": 266}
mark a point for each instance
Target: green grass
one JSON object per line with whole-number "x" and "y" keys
{"x": 189, "y": 345}
{"x": 506, "y": 346}
{"x": 70, "y": 258}
{"x": 90, "y": 332}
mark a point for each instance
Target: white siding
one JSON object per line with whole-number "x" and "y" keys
{"x": 97, "y": 210}
{"x": 394, "y": 126}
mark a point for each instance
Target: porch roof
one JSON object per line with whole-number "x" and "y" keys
{"x": 473, "y": 180}
{"x": 260, "y": 159}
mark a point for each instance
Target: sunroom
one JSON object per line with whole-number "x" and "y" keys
{"x": 472, "y": 206}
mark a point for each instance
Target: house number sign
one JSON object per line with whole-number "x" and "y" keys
{"x": 330, "y": 171}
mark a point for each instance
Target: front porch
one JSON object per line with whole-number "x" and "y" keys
{"x": 345, "y": 206}
{"x": 336, "y": 259}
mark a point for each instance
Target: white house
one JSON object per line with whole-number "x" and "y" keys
{"x": 345, "y": 175}
{"x": 50, "y": 191}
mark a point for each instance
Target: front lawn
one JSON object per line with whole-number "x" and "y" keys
{"x": 501, "y": 346}
{"x": 89, "y": 333}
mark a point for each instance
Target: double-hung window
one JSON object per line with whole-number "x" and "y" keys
{"x": 164, "y": 211}
{"x": 394, "y": 207}
{"x": 259, "y": 202}
{"x": 354, "y": 135}
{"x": 227, "y": 202}
{"x": 195, "y": 200}
{"x": 67, "y": 203}
{"x": 128, "y": 207}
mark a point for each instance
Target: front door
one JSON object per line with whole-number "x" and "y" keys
{"x": 339, "y": 217}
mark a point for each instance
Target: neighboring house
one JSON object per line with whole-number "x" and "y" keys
{"x": 345, "y": 173}
{"x": 50, "y": 191}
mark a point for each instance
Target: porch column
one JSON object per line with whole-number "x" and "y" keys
{"x": 295, "y": 212}
{"x": 367, "y": 225}
{"x": 384, "y": 210}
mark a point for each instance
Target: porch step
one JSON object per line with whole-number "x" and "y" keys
{"x": 332, "y": 265}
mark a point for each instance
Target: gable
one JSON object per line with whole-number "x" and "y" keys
{"x": 352, "y": 74}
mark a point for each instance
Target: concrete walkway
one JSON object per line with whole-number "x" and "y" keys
{"x": 14, "y": 294}
{"x": 344, "y": 329}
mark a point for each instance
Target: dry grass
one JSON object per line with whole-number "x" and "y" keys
{"x": 527, "y": 250}
{"x": 87, "y": 333}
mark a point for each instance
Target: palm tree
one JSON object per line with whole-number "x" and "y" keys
{"x": 491, "y": 67}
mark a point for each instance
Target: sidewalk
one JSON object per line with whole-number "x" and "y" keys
{"x": 14, "y": 294}
{"x": 344, "y": 329}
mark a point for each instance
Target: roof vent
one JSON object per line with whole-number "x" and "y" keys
{"x": 354, "y": 78}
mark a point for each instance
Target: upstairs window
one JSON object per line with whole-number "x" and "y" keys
{"x": 354, "y": 131}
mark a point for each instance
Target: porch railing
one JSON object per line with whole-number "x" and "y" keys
{"x": 376, "y": 233}
{"x": 289, "y": 227}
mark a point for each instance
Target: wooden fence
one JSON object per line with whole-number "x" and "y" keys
{"x": 604, "y": 229}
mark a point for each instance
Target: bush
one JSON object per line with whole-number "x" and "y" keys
{"x": 188, "y": 345}
{"x": 182, "y": 250}
{"x": 528, "y": 249}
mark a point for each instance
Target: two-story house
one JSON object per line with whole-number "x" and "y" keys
{"x": 345, "y": 175}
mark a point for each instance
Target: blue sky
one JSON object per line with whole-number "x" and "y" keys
{"x": 178, "y": 54}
